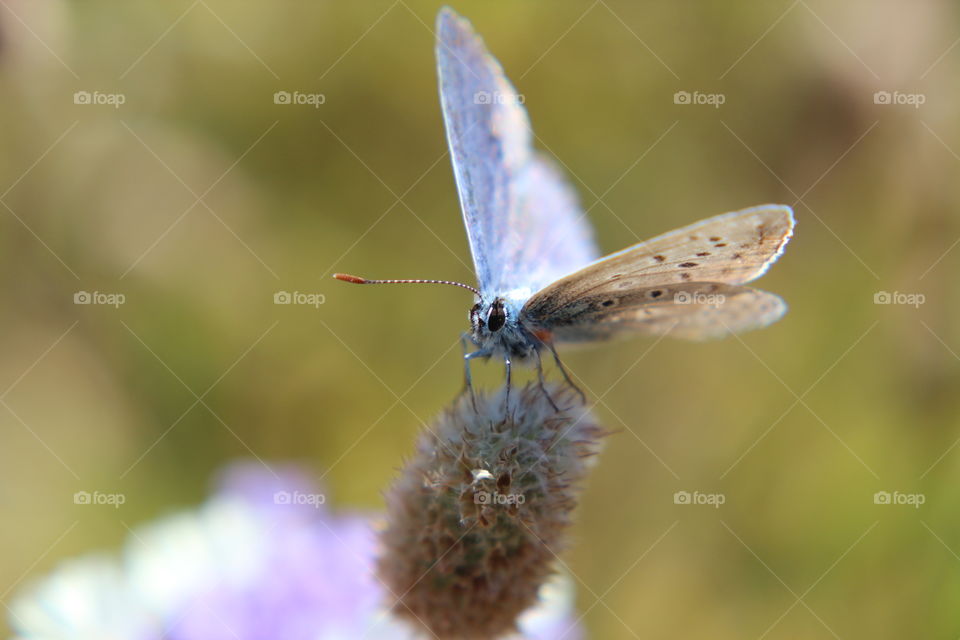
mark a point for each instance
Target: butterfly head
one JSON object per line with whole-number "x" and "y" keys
{"x": 487, "y": 319}
{"x": 497, "y": 329}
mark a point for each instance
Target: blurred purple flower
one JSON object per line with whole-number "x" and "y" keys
{"x": 262, "y": 559}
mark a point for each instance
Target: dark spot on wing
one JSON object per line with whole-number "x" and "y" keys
{"x": 608, "y": 303}
{"x": 659, "y": 258}
{"x": 684, "y": 276}
{"x": 656, "y": 293}
{"x": 715, "y": 238}
{"x": 720, "y": 244}
{"x": 703, "y": 254}
{"x": 737, "y": 256}
{"x": 687, "y": 265}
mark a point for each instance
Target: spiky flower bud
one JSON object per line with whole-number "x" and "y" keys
{"x": 478, "y": 514}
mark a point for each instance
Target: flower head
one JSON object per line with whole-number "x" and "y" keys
{"x": 478, "y": 515}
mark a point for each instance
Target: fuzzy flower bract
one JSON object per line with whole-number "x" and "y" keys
{"x": 479, "y": 514}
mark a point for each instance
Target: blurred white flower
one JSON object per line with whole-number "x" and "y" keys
{"x": 249, "y": 564}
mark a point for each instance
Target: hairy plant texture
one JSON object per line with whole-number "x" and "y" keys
{"x": 478, "y": 515}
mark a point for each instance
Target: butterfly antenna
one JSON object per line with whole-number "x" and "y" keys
{"x": 346, "y": 277}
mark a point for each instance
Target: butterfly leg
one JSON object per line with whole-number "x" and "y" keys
{"x": 467, "y": 379}
{"x": 563, "y": 370}
{"x": 543, "y": 387}
{"x": 467, "y": 384}
{"x": 506, "y": 364}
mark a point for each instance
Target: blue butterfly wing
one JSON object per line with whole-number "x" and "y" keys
{"x": 523, "y": 221}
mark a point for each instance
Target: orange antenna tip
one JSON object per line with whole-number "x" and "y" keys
{"x": 346, "y": 277}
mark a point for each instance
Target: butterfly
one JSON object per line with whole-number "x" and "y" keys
{"x": 540, "y": 277}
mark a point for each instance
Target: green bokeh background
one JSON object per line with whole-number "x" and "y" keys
{"x": 797, "y": 425}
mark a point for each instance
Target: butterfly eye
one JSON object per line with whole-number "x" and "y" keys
{"x": 497, "y": 317}
{"x": 475, "y": 316}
